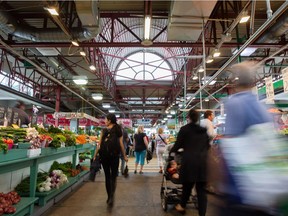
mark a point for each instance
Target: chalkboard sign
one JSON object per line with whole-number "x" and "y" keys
{"x": 2, "y": 115}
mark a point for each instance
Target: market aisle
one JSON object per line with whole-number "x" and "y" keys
{"x": 135, "y": 195}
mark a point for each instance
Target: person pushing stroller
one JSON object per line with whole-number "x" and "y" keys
{"x": 195, "y": 143}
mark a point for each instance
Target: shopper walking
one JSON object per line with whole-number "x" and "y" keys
{"x": 161, "y": 140}
{"x": 125, "y": 143}
{"x": 140, "y": 145}
{"x": 243, "y": 110}
{"x": 195, "y": 143}
{"x": 111, "y": 144}
{"x": 207, "y": 123}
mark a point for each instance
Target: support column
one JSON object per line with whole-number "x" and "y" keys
{"x": 57, "y": 105}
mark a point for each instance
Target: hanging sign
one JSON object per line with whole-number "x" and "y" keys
{"x": 285, "y": 79}
{"x": 269, "y": 90}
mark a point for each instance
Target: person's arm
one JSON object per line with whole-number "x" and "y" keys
{"x": 122, "y": 148}
{"x": 99, "y": 145}
{"x": 179, "y": 141}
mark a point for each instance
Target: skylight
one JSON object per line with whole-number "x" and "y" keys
{"x": 144, "y": 66}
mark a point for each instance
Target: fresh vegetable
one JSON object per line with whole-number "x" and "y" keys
{"x": 81, "y": 139}
{"x": 6, "y": 202}
{"x": 24, "y": 185}
{"x": 65, "y": 167}
{"x": 3, "y": 146}
{"x": 54, "y": 130}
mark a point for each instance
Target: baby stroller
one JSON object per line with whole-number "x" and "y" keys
{"x": 171, "y": 188}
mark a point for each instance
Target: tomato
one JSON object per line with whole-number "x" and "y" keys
{"x": 9, "y": 141}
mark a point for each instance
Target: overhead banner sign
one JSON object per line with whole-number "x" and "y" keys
{"x": 269, "y": 90}
{"x": 285, "y": 79}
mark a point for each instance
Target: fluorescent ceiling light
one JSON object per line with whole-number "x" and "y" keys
{"x": 52, "y": 11}
{"x": 169, "y": 116}
{"x": 111, "y": 111}
{"x": 147, "y": 27}
{"x": 166, "y": 111}
{"x": 106, "y": 105}
{"x": 80, "y": 80}
{"x": 117, "y": 116}
{"x": 172, "y": 112}
{"x": 165, "y": 119}
{"x": 97, "y": 96}
{"x": 209, "y": 60}
{"x": 206, "y": 99}
{"x": 216, "y": 53}
{"x": 82, "y": 53}
{"x": 246, "y": 52}
{"x": 75, "y": 43}
{"x": 207, "y": 78}
{"x": 201, "y": 69}
{"x": 195, "y": 77}
{"x": 92, "y": 67}
{"x": 245, "y": 17}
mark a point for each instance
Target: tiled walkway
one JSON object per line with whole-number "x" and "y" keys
{"x": 135, "y": 195}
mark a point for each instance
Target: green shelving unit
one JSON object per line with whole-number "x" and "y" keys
{"x": 15, "y": 160}
{"x": 24, "y": 206}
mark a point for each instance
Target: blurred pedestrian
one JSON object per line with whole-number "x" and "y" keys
{"x": 140, "y": 146}
{"x": 22, "y": 115}
{"x": 161, "y": 140}
{"x": 195, "y": 143}
{"x": 243, "y": 110}
{"x": 111, "y": 144}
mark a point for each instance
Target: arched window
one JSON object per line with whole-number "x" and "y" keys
{"x": 144, "y": 66}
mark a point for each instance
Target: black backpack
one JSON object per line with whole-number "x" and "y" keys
{"x": 110, "y": 145}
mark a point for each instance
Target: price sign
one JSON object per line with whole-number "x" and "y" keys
{"x": 285, "y": 79}
{"x": 269, "y": 90}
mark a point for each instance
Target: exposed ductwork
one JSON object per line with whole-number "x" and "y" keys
{"x": 277, "y": 30}
{"x": 87, "y": 12}
{"x": 185, "y": 23}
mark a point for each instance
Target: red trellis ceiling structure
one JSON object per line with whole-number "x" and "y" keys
{"x": 122, "y": 29}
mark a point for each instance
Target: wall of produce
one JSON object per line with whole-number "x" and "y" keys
{"x": 36, "y": 138}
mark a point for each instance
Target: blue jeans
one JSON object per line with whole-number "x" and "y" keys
{"x": 140, "y": 157}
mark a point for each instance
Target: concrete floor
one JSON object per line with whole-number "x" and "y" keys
{"x": 135, "y": 195}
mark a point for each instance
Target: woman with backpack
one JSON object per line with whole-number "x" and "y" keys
{"x": 110, "y": 146}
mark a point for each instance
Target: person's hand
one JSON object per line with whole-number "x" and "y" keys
{"x": 125, "y": 158}
{"x": 94, "y": 158}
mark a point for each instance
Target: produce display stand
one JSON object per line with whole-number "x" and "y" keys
{"x": 8, "y": 164}
{"x": 26, "y": 205}
{"x": 23, "y": 207}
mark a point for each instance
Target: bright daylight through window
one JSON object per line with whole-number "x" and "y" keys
{"x": 144, "y": 66}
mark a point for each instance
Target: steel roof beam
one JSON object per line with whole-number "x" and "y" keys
{"x": 135, "y": 44}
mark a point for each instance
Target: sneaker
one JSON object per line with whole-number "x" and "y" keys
{"x": 141, "y": 172}
{"x": 135, "y": 172}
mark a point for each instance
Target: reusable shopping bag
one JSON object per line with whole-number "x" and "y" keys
{"x": 257, "y": 161}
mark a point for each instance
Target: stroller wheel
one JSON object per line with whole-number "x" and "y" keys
{"x": 164, "y": 201}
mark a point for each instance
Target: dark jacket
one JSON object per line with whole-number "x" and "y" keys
{"x": 195, "y": 142}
